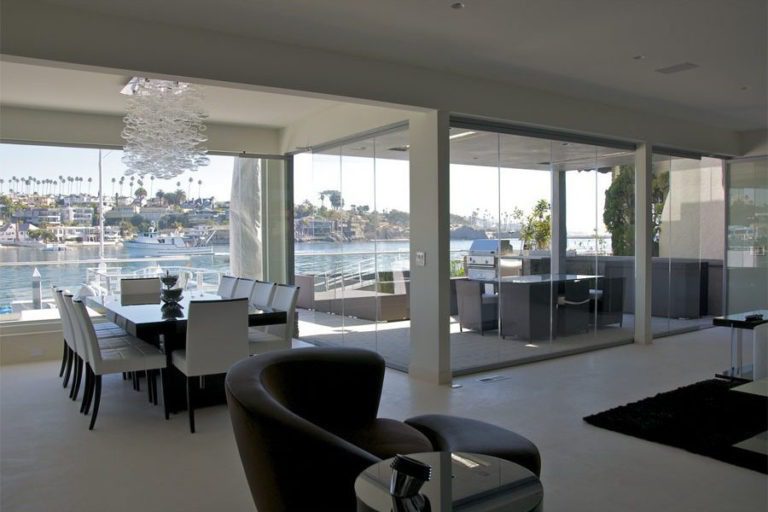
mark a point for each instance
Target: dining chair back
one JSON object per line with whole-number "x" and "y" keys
{"x": 68, "y": 353}
{"x": 263, "y": 294}
{"x": 140, "y": 289}
{"x": 226, "y": 287}
{"x": 243, "y": 288}
{"x": 66, "y": 319}
{"x": 284, "y": 298}
{"x": 217, "y": 335}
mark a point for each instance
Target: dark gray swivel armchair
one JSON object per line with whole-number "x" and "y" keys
{"x": 305, "y": 425}
{"x": 477, "y": 311}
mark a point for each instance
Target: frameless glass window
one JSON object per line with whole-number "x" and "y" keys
{"x": 50, "y": 225}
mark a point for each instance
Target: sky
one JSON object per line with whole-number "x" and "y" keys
{"x": 384, "y": 183}
{"x": 379, "y": 183}
{"x": 51, "y": 162}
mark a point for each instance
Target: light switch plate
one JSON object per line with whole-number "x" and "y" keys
{"x": 421, "y": 258}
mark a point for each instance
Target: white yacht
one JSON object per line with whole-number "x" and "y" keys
{"x": 153, "y": 243}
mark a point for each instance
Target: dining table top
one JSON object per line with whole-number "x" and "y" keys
{"x": 150, "y": 309}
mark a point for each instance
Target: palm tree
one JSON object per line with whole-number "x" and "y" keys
{"x": 113, "y": 185}
{"x": 71, "y": 180}
{"x": 151, "y": 183}
{"x": 189, "y": 187}
{"x": 131, "y": 185}
{"x": 89, "y": 185}
{"x": 1, "y": 185}
{"x": 61, "y": 186}
{"x": 122, "y": 179}
{"x": 199, "y": 185}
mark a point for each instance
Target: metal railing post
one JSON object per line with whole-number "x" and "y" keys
{"x": 37, "y": 290}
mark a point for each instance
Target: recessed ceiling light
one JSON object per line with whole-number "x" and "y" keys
{"x": 639, "y": 57}
{"x": 677, "y": 68}
{"x": 457, "y": 5}
{"x": 460, "y": 135}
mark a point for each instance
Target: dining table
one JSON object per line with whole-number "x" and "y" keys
{"x": 164, "y": 325}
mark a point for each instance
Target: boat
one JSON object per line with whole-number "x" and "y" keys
{"x": 157, "y": 244}
{"x": 54, "y": 247}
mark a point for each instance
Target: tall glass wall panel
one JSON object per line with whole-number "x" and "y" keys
{"x": 542, "y": 251}
{"x": 747, "y": 235}
{"x": 351, "y": 245}
{"x": 688, "y": 226}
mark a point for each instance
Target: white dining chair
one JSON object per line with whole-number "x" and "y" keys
{"x": 134, "y": 356}
{"x": 226, "y": 287}
{"x": 217, "y": 337}
{"x": 243, "y": 288}
{"x": 278, "y": 336}
{"x": 68, "y": 357}
{"x": 108, "y": 339}
{"x": 262, "y": 294}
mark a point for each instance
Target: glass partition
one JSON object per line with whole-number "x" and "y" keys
{"x": 688, "y": 226}
{"x": 542, "y": 256}
{"x": 352, "y": 245}
{"x": 747, "y": 235}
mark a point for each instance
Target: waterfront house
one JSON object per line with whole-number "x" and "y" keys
{"x": 637, "y": 123}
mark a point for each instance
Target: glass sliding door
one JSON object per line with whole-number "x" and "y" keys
{"x": 351, "y": 232}
{"x": 543, "y": 248}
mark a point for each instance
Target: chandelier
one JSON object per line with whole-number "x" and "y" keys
{"x": 164, "y": 128}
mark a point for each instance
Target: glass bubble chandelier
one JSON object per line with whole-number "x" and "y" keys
{"x": 164, "y": 130}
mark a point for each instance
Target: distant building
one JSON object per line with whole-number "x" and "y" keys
{"x": 39, "y": 216}
{"x": 154, "y": 213}
{"x": 79, "y": 215}
{"x": 313, "y": 228}
{"x": 121, "y": 213}
{"x": 203, "y": 216}
{"x": 8, "y": 233}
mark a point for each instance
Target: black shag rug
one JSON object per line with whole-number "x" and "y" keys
{"x": 705, "y": 418}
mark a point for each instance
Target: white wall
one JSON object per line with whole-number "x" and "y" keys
{"x": 35, "y": 30}
{"x": 57, "y": 127}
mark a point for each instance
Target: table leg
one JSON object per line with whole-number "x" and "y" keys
{"x": 738, "y": 352}
{"x": 759, "y": 352}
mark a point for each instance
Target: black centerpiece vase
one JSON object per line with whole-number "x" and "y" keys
{"x": 169, "y": 294}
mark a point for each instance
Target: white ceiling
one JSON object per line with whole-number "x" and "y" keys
{"x": 25, "y": 85}
{"x": 581, "y": 48}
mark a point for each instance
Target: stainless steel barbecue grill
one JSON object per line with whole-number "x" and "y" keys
{"x": 486, "y": 260}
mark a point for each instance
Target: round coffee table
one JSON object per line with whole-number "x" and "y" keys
{"x": 460, "y": 481}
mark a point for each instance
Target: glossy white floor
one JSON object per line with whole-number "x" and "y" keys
{"x": 135, "y": 460}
